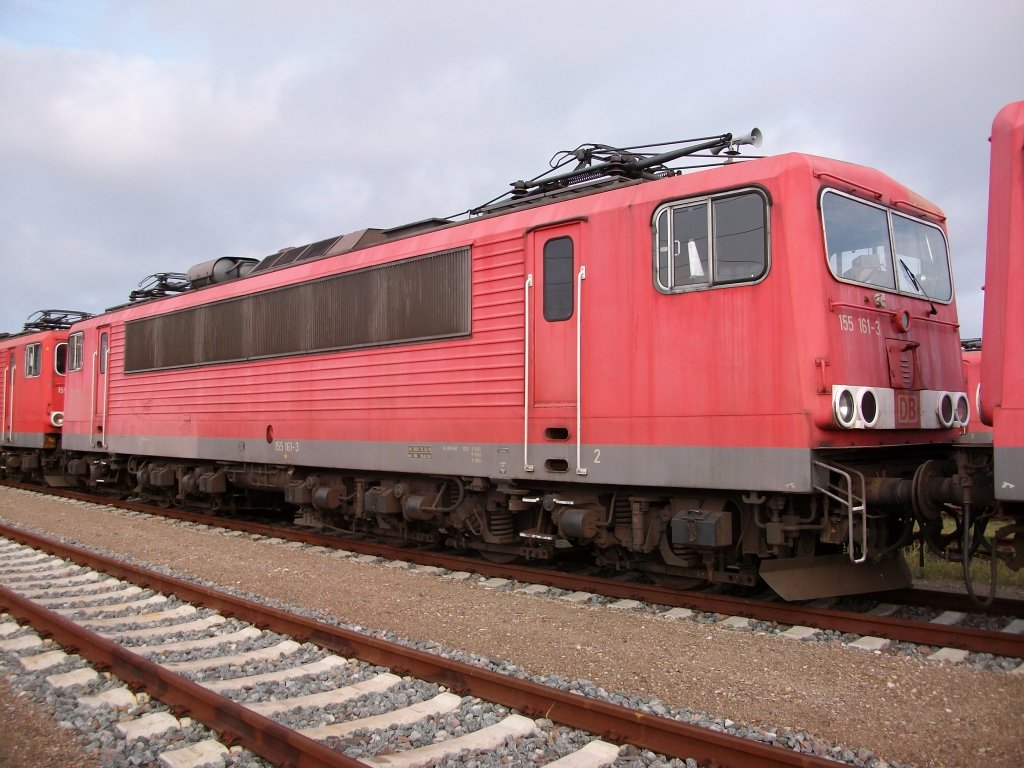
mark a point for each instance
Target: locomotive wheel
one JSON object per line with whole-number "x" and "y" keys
{"x": 499, "y": 558}
{"x": 673, "y": 581}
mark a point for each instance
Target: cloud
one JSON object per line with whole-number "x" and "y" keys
{"x": 144, "y": 137}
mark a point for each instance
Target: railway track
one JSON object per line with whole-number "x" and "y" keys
{"x": 130, "y": 621}
{"x": 948, "y": 625}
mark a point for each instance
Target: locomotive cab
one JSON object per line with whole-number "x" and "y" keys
{"x": 889, "y": 395}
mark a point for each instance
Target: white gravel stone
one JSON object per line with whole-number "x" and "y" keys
{"x": 22, "y": 643}
{"x": 949, "y": 618}
{"x": 275, "y": 677}
{"x": 495, "y": 583}
{"x": 596, "y": 754}
{"x": 578, "y": 597}
{"x": 871, "y": 644}
{"x": 82, "y": 676}
{"x": 534, "y": 589}
{"x": 678, "y": 613}
{"x": 171, "y": 629}
{"x": 491, "y": 737}
{"x": 799, "y": 632}
{"x": 246, "y": 633}
{"x": 741, "y": 623}
{"x": 883, "y": 609}
{"x": 376, "y": 684}
{"x": 625, "y": 605}
{"x": 202, "y": 753}
{"x": 952, "y": 655}
{"x": 148, "y": 725}
{"x": 439, "y": 705}
{"x": 283, "y": 648}
{"x": 117, "y": 698}
{"x": 43, "y": 660}
{"x": 1015, "y": 627}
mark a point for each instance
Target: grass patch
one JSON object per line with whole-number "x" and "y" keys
{"x": 937, "y": 569}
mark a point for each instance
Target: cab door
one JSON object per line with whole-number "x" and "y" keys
{"x": 554, "y": 267}
{"x": 554, "y": 286}
{"x": 100, "y": 385}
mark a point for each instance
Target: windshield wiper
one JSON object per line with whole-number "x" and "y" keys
{"x": 910, "y": 274}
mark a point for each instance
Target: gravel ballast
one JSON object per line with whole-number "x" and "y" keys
{"x": 899, "y": 707}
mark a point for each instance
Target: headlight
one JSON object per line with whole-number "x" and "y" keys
{"x": 945, "y": 409}
{"x": 962, "y": 413}
{"x": 844, "y": 407}
{"x": 57, "y": 418}
{"x": 868, "y": 408}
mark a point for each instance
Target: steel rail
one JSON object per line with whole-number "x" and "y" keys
{"x": 618, "y": 724}
{"x": 233, "y": 722}
{"x": 922, "y": 633}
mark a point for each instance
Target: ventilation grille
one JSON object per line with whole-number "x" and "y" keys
{"x": 903, "y": 364}
{"x": 420, "y": 299}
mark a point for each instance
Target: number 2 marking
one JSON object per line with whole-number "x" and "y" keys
{"x": 597, "y": 455}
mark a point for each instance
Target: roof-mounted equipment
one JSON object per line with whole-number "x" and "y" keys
{"x": 220, "y": 270}
{"x": 160, "y": 285}
{"x": 54, "y": 319}
{"x": 595, "y": 162}
{"x": 332, "y": 246}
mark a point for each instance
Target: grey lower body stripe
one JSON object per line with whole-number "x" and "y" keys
{"x": 766, "y": 469}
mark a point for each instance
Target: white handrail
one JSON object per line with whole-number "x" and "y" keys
{"x": 105, "y": 367}
{"x": 580, "y": 469}
{"x": 92, "y": 400}
{"x": 527, "y": 466}
{"x": 3, "y": 415}
{"x": 849, "y": 501}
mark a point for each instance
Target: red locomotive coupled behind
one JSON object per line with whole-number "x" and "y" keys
{"x": 751, "y": 371}
{"x": 1002, "y": 367}
{"x": 34, "y": 364}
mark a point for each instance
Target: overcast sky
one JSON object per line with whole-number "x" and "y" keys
{"x": 140, "y": 137}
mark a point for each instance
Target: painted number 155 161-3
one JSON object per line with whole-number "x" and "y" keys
{"x": 851, "y": 324}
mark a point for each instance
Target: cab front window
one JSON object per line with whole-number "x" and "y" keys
{"x": 875, "y": 246}
{"x": 921, "y": 259}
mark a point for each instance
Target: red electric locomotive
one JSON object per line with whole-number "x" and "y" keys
{"x": 750, "y": 370}
{"x": 1002, "y": 373}
{"x": 34, "y": 363}
{"x": 1002, "y": 365}
{"x": 972, "y": 377}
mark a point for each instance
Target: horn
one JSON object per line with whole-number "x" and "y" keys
{"x": 753, "y": 138}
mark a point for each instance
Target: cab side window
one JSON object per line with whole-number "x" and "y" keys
{"x": 33, "y": 360}
{"x": 104, "y": 352}
{"x": 75, "y": 356}
{"x": 711, "y": 241}
{"x": 558, "y": 279}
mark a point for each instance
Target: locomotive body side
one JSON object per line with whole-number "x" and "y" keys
{"x": 714, "y": 369}
{"x": 685, "y": 374}
{"x": 1002, "y": 366}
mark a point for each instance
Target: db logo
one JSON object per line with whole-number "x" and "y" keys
{"x": 908, "y": 410}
